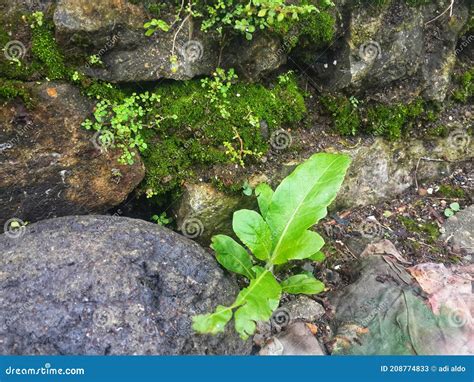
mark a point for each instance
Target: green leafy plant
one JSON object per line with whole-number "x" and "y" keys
{"x": 162, "y": 219}
{"x": 37, "y": 19}
{"x": 249, "y": 16}
{"x": 241, "y": 153}
{"x": 247, "y": 189}
{"x": 120, "y": 124}
{"x": 95, "y": 60}
{"x": 217, "y": 89}
{"x": 154, "y": 25}
{"x": 277, "y": 236}
{"x": 451, "y": 210}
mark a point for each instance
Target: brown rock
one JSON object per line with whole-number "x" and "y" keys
{"x": 49, "y": 164}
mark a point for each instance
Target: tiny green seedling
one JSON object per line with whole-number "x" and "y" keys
{"x": 154, "y": 25}
{"x": 162, "y": 219}
{"x": 247, "y": 189}
{"x": 280, "y": 234}
{"x": 451, "y": 210}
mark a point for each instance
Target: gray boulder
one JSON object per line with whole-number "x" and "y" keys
{"x": 108, "y": 285}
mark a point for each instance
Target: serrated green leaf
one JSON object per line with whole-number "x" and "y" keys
{"x": 232, "y": 256}
{"x": 280, "y": 17}
{"x": 302, "y": 198}
{"x": 254, "y": 232}
{"x": 256, "y": 302}
{"x": 262, "y": 12}
{"x": 212, "y": 323}
{"x": 302, "y": 284}
{"x": 264, "y": 195}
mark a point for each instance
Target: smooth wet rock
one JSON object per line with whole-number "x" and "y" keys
{"x": 108, "y": 285}
{"x": 51, "y": 166}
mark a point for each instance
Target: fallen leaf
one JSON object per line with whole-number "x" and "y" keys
{"x": 313, "y": 328}
{"x": 52, "y": 92}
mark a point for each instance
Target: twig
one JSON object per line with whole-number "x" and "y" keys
{"x": 450, "y": 9}
{"x": 415, "y": 175}
{"x": 420, "y": 242}
{"x": 177, "y": 32}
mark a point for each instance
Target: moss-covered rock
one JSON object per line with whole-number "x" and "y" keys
{"x": 193, "y": 133}
{"x": 204, "y": 211}
{"x": 87, "y": 28}
{"x": 394, "y": 48}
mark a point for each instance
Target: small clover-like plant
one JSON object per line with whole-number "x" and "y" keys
{"x": 249, "y": 16}
{"x": 280, "y": 234}
{"x": 162, "y": 219}
{"x": 121, "y": 124}
{"x": 451, "y": 210}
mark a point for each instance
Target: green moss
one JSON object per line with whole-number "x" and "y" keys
{"x": 43, "y": 57}
{"x": 429, "y": 229}
{"x": 448, "y": 191}
{"x": 10, "y": 90}
{"x": 465, "y": 86}
{"x": 46, "y": 51}
{"x": 417, "y": 3}
{"x": 390, "y": 121}
{"x": 192, "y": 131}
{"x": 346, "y": 120}
{"x": 101, "y": 90}
{"x": 380, "y": 3}
{"x": 316, "y": 30}
{"x": 439, "y": 131}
